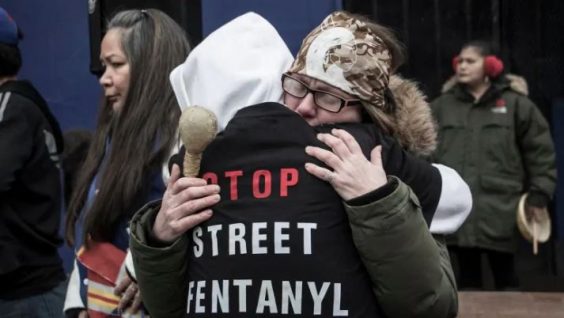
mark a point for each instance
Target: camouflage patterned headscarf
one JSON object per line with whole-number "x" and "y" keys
{"x": 344, "y": 52}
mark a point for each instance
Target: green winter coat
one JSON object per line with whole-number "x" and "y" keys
{"x": 410, "y": 271}
{"x": 501, "y": 146}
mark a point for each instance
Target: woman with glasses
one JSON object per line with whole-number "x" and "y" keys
{"x": 332, "y": 102}
{"x": 343, "y": 73}
{"x": 409, "y": 263}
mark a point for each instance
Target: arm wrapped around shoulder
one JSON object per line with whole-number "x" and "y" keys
{"x": 410, "y": 270}
{"x": 158, "y": 267}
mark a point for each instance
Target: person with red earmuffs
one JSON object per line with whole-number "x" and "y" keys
{"x": 500, "y": 143}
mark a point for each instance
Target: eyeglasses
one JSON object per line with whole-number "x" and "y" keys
{"x": 325, "y": 100}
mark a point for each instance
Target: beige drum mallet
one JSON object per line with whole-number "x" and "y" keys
{"x": 198, "y": 127}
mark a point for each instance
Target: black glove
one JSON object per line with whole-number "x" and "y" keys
{"x": 537, "y": 199}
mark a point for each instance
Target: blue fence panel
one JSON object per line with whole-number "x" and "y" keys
{"x": 292, "y": 18}
{"x": 56, "y": 57}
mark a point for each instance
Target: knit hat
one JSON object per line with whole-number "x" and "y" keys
{"x": 8, "y": 29}
{"x": 344, "y": 52}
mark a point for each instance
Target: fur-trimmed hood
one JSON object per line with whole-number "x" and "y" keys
{"x": 515, "y": 82}
{"x": 416, "y": 129}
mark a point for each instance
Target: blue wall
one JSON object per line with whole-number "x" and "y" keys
{"x": 56, "y": 57}
{"x": 56, "y": 49}
{"x": 292, "y": 18}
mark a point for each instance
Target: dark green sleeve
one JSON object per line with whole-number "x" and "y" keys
{"x": 537, "y": 148}
{"x": 410, "y": 270}
{"x": 161, "y": 272}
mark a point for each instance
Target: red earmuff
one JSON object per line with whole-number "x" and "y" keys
{"x": 493, "y": 66}
{"x": 455, "y": 61}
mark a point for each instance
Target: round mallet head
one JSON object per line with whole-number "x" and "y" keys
{"x": 532, "y": 230}
{"x": 198, "y": 127}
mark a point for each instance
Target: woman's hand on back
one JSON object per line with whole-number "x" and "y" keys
{"x": 353, "y": 175}
{"x": 186, "y": 203}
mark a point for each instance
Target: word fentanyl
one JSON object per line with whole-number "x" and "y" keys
{"x": 289, "y": 302}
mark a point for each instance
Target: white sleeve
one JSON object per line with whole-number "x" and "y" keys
{"x": 128, "y": 264}
{"x": 174, "y": 150}
{"x": 455, "y": 202}
{"x": 73, "y": 299}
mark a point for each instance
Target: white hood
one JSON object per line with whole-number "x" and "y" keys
{"x": 238, "y": 65}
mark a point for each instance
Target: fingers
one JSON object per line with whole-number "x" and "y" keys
{"x": 174, "y": 175}
{"x": 191, "y": 206}
{"x": 345, "y": 151}
{"x": 83, "y": 314}
{"x": 335, "y": 143}
{"x": 127, "y": 296}
{"x": 122, "y": 285}
{"x": 534, "y": 213}
{"x": 376, "y": 156}
{"x": 325, "y": 156}
{"x": 528, "y": 213}
{"x": 343, "y": 145}
{"x": 348, "y": 140}
{"x": 319, "y": 172}
{"x": 197, "y": 191}
{"x": 183, "y": 207}
{"x": 183, "y": 183}
{"x": 191, "y": 193}
{"x": 539, "y": 214}
{"x": 174, "y": 228}
{"x": 136, "y": 304}
{"x": 188, "y": 222}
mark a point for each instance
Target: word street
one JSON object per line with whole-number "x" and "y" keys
{"x": 254, "y": 238}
